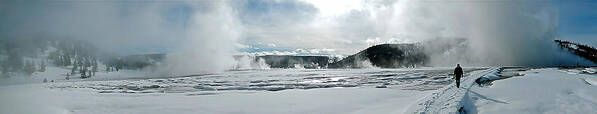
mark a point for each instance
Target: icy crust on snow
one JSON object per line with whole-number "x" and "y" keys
{"x": 580, "y": 70}
{"x": 275, "y": 80}
{"x": 500, "y": 73}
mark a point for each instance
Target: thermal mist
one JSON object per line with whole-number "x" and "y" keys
{"x": 210, "y": 47}
{"x": 495, "y": 32}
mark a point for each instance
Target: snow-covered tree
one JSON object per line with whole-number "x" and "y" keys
{"x": 83, "y": 75}
{"x": 94, "y": 68}
{"x": 29, "y": 67}
{"x": 107, "y": 68}
{"x": 42, "y": 66}
{"x": 67, "y": 60}
{"x": 72, "y": 72}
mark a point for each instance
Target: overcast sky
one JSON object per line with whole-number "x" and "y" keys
{"x": 287, "y": 26}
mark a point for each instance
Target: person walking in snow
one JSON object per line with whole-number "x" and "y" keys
{"x": 457, "y": 75}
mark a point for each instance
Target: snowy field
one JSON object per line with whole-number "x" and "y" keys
{"x": 540, "y": 91}
{"x": 517, "y": 90}
{"x": 424, "y": 90}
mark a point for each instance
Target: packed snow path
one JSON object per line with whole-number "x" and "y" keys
{"x": 450, "y": 99}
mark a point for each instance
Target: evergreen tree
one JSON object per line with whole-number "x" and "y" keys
{"x": 94, "y": 69}
{"x": 118, "y": 66}
{"x": 67, "y": 60}
{"x": 88, "y": 62}
{"x": 107, "y": 68}
{"x": 81, "y": 69}
{"x": 83, "y": 74}
{"x": 53, "y": 56}
{"x": 58, "y": 61}
{"x": 14, "y": 62}
{"x": 42, "y": 66}
{"x": 4, "y": 74}
{"x": 29, "y": 68}
{"x": 4, "y": 69}
{"x": 73, "y": 70}
{"x": 89, "y": 72}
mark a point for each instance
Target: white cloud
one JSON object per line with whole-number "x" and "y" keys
{"x": 494, "y": 30}
{"x": 373, "y": 41}
{"x": 271, "y": 45}
{"x": 299, "y": 51}
{"x": 335, "y": 7}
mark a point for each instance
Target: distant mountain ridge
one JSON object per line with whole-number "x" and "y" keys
{"x": 291, "y": 61}
{"x": 138, "y": 61}
{"x": 385, "y": 56}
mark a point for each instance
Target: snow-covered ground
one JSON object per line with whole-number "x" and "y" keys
{"x": 535, "y": 91}
{"x": 246, "y": 91}
{"x": 424, "y": 90}
{"x": 539, "y": 91}
{"x": 329, "y": 100}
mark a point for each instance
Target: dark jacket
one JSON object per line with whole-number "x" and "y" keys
{"x": 458, "y": 72}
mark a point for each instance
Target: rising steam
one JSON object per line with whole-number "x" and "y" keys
{"x": 250, "y": 62}
{"x": 210, "y": 47}
{"x": 494, "y": 32}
